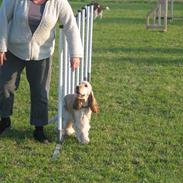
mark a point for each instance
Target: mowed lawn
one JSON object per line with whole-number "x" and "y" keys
{"x": 137, "y": 78}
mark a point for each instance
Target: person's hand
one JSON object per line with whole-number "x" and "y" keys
{"x": 75, "y": 62}
{"x": 2, "y": 58}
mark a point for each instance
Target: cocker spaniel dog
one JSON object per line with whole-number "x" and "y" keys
{"x": 77, "y": 110}
{"x": 98, "y": 9}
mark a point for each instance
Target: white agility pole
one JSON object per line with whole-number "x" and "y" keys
{"x": 72, "y": 81}
{"x": 60, "y": 89}
{"x": 159, "y": 15}
{"x": 78, "y": 19}
{"x": 65, "y": 65}
{"x": 68, "y": 72}
{"x": 166, "y": 15}
{"x": 172, "y": 7}
{"x": 90, "y": 42}
{"x": 83, "y": 14}
{"x": 60, "y": 96}
{"x": 86, "y": 43}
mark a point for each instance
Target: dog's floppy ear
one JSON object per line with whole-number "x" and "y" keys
{"x": 93, "y": 103}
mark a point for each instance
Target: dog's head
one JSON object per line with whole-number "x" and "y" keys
{"x": 84, "y": 96}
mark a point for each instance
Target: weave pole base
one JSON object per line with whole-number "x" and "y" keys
{"x": 58, "y": 146}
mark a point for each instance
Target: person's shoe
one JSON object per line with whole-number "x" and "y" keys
{"x": 39, "y": 135}
{"x": 4, "y": 124}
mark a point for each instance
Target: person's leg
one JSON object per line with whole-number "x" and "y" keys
{"x": 10, "y": 73}
{"x": 38, "y": 76}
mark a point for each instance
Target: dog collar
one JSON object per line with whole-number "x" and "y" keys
{"x": 84, "y": 107}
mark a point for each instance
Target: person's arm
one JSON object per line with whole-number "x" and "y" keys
{"x": 72, "y": 33}
{"x": 6, "y": 14}
{"x": 2, "y": 57}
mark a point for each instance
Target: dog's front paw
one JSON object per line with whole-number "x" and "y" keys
{"x": 85, "y": 140}
{"x": 82, "y": 139}
{"x": 70, "y": 131}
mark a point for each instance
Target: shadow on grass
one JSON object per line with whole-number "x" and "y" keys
{"x": 178, "y": 21}
{"x": 138, "y": 50}
{"x": 17, "y": 134}
{"x": 21, "y": 135}
{"x": 156, "y": 61}
{"x": 133, "y": 55}
{"x": 123, "y": 20}
{"x": 144, "y": 61}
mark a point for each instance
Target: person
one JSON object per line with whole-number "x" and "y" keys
{"x": 27, "y": 40}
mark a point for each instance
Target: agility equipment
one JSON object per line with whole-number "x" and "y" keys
{"x": 67, "y": 78}
{"x": 157, "y": 18}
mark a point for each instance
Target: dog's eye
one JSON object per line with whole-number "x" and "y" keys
{"x": 86, "y": 85}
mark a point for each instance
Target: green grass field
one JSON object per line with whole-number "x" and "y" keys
{"x": 137, "y": 77}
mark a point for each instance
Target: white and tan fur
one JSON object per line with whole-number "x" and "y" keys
{"x": 77, "y": 110}
{"x": 99, "y": 9}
